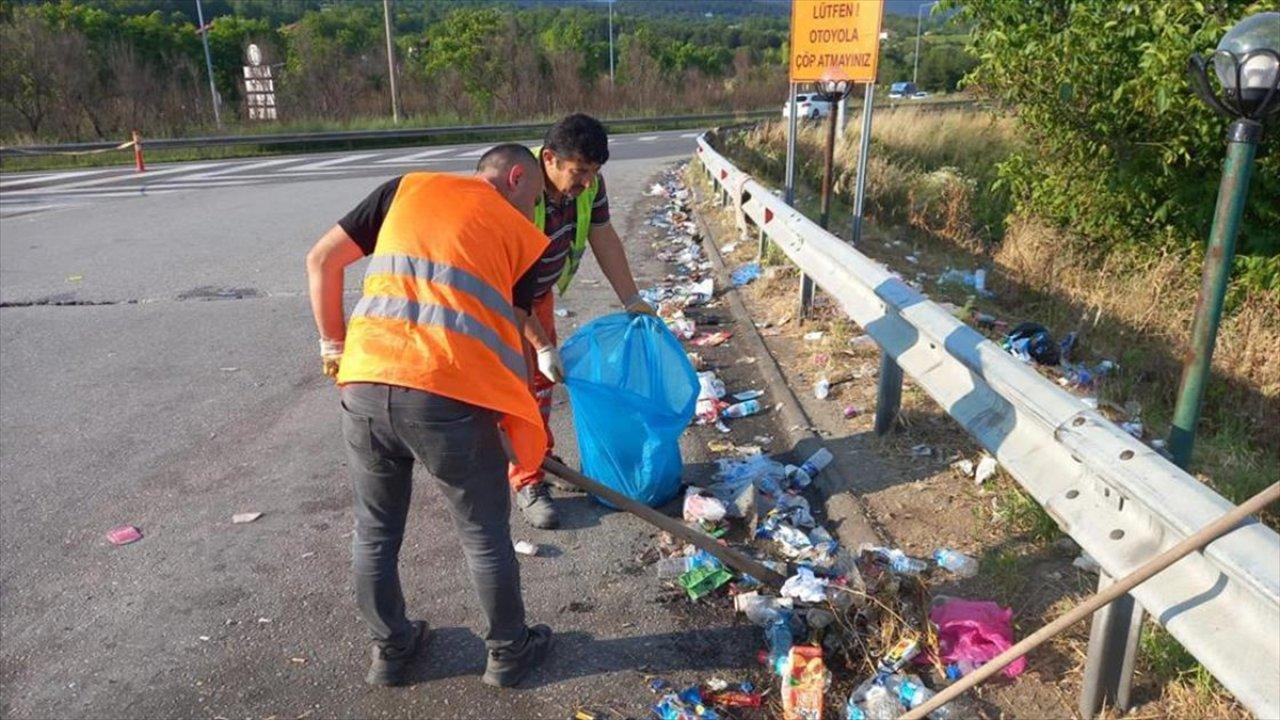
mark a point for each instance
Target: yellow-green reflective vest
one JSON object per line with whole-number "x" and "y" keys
{"x": 578, "y": 245}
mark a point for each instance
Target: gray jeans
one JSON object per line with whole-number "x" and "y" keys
{"x": 386, "y": 429}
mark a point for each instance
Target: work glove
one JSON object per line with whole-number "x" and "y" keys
{"x": 550, "y": 364}
{"x": 330, "y": 356}
{"x": 637, "y": 305}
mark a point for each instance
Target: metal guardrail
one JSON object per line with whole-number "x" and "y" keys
{"x": 416, "y": 133}
{"x": 359, "y": 135}
{"x": 1116, "y": 497}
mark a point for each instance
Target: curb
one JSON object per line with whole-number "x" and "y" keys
{"x": 853, "y": 526}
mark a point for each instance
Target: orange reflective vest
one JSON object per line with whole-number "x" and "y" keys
{"x": 436, "y": 313}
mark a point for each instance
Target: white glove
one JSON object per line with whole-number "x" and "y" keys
{"x": 550, "y": 364}
{"x": 331, "y": 356}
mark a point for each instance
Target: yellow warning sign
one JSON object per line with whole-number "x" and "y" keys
{"x": 835, "y": 40}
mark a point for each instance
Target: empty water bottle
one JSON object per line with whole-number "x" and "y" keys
{"x": 912, "y": 694}
{"x": 822, "y": 388}
{"x": 871, "y": 701}
{"x": 742, "y": 409}
{"x": 956, "y": 562}
{"x": 904, "y": 564}
{"x": 778, "y": 637}
{"x": 809, "y": 469}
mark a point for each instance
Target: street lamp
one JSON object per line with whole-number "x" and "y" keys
{"x": 919, "y": 19}
{"x": 1247, "y": 64}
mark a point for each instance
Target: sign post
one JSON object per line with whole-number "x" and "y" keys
{"x": 259, "y": 85}
{"x": 834, "y": 43}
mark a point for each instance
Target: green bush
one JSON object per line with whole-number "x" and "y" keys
{"x": 1120, "y": 151}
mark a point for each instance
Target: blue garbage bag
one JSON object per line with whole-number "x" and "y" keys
{"x": 633, "y": 393}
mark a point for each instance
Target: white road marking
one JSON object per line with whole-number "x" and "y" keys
{"x": 690, "y": 135}
{"x": 147, "y": 176}
{"x": 240, "y": 167}
{"x": 647, "y": 138}
{"x": 414, "y": 157}
{"x": 333, "y": 161}
{"x": 473, "y": 153}
{"x": 10, "y": 182}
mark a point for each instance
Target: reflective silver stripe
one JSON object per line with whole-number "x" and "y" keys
{"x": 438, "y": 272}
{"x": 441, "y": 316}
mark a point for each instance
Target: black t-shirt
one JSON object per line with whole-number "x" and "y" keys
{"x": 364, "y": 222}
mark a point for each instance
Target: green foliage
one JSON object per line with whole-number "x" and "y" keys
{"x": 1120, "y": 150}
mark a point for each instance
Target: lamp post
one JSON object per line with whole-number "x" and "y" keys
{"x": 833, "y": 90}
{"x": 208, "y": 64}
{"x": 1247, "y": 63}
{"x": 391, "y": 61}
{"x": 919, "y": 19}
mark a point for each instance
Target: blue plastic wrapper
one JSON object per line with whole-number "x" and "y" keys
{"x": 633, "y": 393}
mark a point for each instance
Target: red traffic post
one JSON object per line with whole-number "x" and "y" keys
{"x": 138, "y": 164}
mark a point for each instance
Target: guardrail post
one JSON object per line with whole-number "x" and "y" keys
{"x": 889, "y": 394}
{"x": 806, "y": 296}
{"x": 760, "y": 242}
{"x": 1113, "y": 649}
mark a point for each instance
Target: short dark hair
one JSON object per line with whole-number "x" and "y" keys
{"x": 579, "y": 137}
{"x": 505, "y": 156}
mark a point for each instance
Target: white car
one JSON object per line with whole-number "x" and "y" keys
{"x": 808, "y": 106}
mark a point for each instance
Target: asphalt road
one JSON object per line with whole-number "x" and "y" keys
{"x": 189, "y": 390}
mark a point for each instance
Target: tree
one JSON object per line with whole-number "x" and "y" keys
{"x": 1120, "y": 151}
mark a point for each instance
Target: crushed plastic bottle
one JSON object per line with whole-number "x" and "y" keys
{"x": 912, "y": 693}
{"x": 802, "y": 476}
{"x": 897, "y": 560}
{"x": 822, "y": 388}
{"x": 777, "y": 635}
{"x": 742, "y": 409}
{"x": 957, "y": 562}
{"x": 871, "y": 701}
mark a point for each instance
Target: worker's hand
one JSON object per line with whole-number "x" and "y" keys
{"x": 550, "y": 364}
{"x": 637, "y": 305}
{"x": 331, "y": 356}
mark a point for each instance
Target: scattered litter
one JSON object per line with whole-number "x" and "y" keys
{"x": 700, "y": 508}
{"x": 264, "y": 621}
{"x": 986, "y": 468}
{"x": 124, "y": 535}
{"x": 742, "y": 409}
{"x": 863, "y": 341}
{"x": 956, "y": 562}
{"x": 922, "y": 450}
{"x": 804, "y": 682}
{"x": 714, "y": 339}
{"x": 814, "y": 336}
{"x": 1086, "y": 563}
{"x": 803, "y": 586}
{"x": 746, "y": 395}
{"x": 242, "y": 518}
{"x": 563, "y": 312}
{"x": 524, "y": 547}
{"x": 851, "y": 412}
{"x": 729, "y": 248}
{"x": 229, "y": 369}
{"x": 822, "y": 388}
{"x": 656, "y": 190}
{"x": 205, "y": 638}
{"x": 74, "y": 278}
{"x": 745, "y": 274}
{"x": 1133, "y": 427}
{"x": 974, "y": 631}
{"x": 912, "y": 259}
{"x": 1030, "y": 342}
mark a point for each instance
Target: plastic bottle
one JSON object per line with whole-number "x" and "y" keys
{"x": 957, "y": 670}
{"x": 742, "y": 409}
{"x": 872, "y": 701}
{"x": 822, "y": 388}
{"x": 904, "y": 564}
{"x": 778, "y": 637}
{"x": 912, "y": 694}
{"x": 817, "y": 462}
{"x": 957, "y": 562}
{"x": 980, "y": 280}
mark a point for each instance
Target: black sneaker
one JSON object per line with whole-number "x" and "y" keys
{"x": 390, "y": 667}
{"x": 534, "y": 501}
{"x": 508, "y": 666}
{"x": 559, "y": 483}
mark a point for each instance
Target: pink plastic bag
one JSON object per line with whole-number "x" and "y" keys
{"x": 975, "y": 631}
